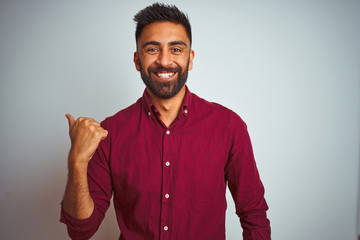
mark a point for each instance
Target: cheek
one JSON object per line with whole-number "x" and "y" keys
{"x": 147, "y": 62}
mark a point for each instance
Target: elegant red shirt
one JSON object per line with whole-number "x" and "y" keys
{"x": 170, "y": 182}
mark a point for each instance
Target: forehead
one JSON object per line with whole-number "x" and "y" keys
{"x": 163, "y": 32}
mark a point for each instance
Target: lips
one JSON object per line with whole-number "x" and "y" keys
{"x": 164, "y": 74}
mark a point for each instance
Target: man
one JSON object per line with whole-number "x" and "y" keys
{"x": 168, "y": 157}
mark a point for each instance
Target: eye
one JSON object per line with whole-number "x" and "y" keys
{"x": 177, "y": 50}
{"x": 152, "y": 50}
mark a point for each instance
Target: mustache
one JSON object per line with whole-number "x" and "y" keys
{"x": 164, "y": 69}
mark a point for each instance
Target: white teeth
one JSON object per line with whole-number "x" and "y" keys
{"x": 165, "y": 75}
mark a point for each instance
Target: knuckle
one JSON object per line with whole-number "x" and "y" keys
{"x": 92, "y": 128}
{"x": 90, "y": 121}
{"x": 86, "y": 121}
{"x": 97, "y": 134}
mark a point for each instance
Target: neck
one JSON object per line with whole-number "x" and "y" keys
{"x": 168, "y": 108}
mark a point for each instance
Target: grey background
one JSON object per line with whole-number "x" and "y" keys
{"x": 290, "y": 69}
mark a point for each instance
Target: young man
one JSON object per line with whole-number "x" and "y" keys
{"x": 168, "y": 157}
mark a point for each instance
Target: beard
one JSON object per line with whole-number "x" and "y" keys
{"x": 164, "y": 90}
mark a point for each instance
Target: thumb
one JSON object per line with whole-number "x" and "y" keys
{"x": 71, "y": 121}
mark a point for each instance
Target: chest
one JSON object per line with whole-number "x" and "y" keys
{"x": 185, "y": 155}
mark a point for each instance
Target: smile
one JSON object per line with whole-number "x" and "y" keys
{"x": 165, "y": 75}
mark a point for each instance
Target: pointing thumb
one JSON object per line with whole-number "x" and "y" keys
{"x": 71, "y": 121}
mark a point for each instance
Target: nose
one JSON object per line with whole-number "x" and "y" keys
{"x": 164, "y": 59}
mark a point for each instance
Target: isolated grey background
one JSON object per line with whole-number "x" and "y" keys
{"x": 290, "y": 69}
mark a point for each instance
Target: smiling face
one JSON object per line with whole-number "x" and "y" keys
{"x": 164, "y": 57}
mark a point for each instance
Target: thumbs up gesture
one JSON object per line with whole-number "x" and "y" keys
{"x": 85, "y": 135}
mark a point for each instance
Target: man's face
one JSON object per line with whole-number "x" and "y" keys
{"x": 163, "y": 58}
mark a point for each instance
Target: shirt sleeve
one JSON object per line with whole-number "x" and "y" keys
{"x": 245, "y": 185}
{"x": 100, "y": 186}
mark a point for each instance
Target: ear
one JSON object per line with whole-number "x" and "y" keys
{"x": 136, "y": 61}
{"x": 191, "y": 58}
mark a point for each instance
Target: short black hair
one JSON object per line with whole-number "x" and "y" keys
{"x": 160, "y": 12}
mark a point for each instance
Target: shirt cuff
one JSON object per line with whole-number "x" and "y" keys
{"x": 79, "y": 229}
{"x": 258, "y": 234}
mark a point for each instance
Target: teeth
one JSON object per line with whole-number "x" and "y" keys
{"x": 165, "y": 75}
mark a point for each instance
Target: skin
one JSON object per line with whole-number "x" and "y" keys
{"x": 161, "y": 44}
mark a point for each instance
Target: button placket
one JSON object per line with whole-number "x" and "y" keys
{"x": 167, "y": 137}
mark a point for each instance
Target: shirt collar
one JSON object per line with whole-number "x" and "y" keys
{"x": 150, "y": 107}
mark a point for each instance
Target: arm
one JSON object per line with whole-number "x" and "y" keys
{"x": 77, "y": 201}
{"x": 245, "y": 185}
{"x": 81, "y": 212}
{"x": 85, "y": 135}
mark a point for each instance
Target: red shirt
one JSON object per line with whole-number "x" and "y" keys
{"x": 169, "y": 183}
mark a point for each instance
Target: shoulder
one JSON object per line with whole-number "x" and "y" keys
{"x": 212, "y": 108}
{"x": 123, "y": 116}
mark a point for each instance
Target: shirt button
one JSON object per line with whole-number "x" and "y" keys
{"x": 167, "y": 163}
{"x": 149, "y": 113}
{"x": 167, "y": 195}
{"x": 186, "y": 111}
{"x": 167, "y": 132}
{"x": 166, "y": 228}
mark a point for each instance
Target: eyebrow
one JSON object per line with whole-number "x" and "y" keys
{"x": 177, "y": 43}
{"x": 173, "y": 43}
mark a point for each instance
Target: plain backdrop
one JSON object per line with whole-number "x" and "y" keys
{"x": 290, "y": 69}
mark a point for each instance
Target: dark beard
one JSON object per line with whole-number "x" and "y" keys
{"x": 164, "y": 90}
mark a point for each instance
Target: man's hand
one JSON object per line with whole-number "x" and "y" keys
{"x": 85, "y": 135}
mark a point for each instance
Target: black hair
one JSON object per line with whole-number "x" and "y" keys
{"x": 159, "y": 12}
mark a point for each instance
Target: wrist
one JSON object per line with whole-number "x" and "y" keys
{"x": 75, "y": 158}
{"x": 77, "y": 166}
